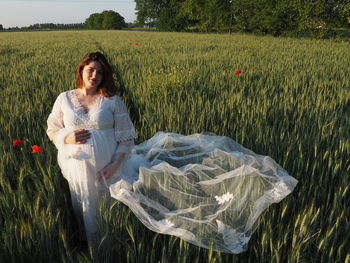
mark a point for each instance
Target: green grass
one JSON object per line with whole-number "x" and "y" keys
{"x": 291, "y": 102}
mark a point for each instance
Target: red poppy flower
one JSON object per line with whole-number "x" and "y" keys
{"x": 130, "y": 44}
{"x": 238, "y": 72}
{"x": 17, "y": 142}
{"x": 36, "y": 149}
{"x": 136, "y": 44}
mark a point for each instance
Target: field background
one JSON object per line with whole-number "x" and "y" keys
{"x": 291, "y": 102}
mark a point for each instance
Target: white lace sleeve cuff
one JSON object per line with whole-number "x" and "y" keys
{"x": 125, "y": 135}
{"x": 60, "y": 136}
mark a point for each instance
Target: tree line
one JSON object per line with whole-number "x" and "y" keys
{"x": 46, "y": 26}
{"x": 108, "y": 19}
{"x": 276, "y": 17}
{"x": 56, "y": 26}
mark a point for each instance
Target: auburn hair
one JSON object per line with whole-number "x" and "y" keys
{"x": 107, "y": 87}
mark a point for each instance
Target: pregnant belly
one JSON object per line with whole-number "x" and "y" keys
{"x": 81, "y": 162}
{"x": 103, "y": 144}
{"x": 97, "y": 151}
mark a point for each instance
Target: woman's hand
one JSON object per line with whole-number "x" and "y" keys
{"x": 77, "y": 137}
{"x": 106, "y": 172}
{"x": 110, "y": 169}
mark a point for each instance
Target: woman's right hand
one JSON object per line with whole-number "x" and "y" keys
{"x": 77, "y": 137}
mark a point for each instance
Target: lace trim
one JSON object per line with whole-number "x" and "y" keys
{"x": 80, "y": 107}
{"x": 125, "y": 135}
{"x": 83, "y": 120}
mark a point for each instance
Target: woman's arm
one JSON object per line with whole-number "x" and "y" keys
{"x": 123, "y": 149}
{"x": 55, "y": 125}
{"x": 56, "y": 130}
{"x": 124, "y": 135}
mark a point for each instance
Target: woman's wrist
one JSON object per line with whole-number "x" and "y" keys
{"x": 120, "y": 157}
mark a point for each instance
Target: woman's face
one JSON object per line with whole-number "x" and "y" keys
{"x": 92, "y": 74}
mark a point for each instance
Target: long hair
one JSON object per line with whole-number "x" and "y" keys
{"x": 107, "y": 87}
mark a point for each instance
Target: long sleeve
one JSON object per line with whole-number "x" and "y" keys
{"x": 124, "y": 130}
{"x": 55, "y": 124}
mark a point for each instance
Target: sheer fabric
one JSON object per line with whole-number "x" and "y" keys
{"x": 205, "y": 189}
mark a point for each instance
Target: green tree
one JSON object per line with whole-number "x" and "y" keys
{"x": 320, "y": 17}
{"x": 170, "y": 18}
{"x": 106, "y": 20}
{"x": 147, "y": 11}
{"x": 94, "y": 21}
{"x": 164, "y": 14}
{"x": 345, "y": 13}
{"x": 1, "y": 28}
{"x": 208, "y": 15}
{"x": 112, "y": 20}
{"x": 265, "y": 16}
{"x": 258, "y": 16}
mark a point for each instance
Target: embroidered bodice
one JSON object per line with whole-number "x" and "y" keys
{"x": 104, "y": 113}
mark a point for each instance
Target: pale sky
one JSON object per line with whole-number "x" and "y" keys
{"x": 27, "y": 12}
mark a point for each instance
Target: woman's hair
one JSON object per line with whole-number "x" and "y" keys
{"x": 108, "y": 87}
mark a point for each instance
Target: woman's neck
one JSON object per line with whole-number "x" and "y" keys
{"x": 84, "y": 91}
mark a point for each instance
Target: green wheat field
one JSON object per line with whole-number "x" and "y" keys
{"x": 291, "y": 102}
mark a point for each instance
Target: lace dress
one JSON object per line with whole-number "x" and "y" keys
{"x": 206, "y": 189}
{"x": 112, "y": 132}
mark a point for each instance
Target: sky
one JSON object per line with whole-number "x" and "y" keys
{"x": 27, "y": 12}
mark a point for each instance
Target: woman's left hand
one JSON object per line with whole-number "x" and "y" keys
{"x": 110, "y": 169}
{"x": 105, "y": 173}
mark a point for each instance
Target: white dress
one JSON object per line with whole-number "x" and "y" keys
{"x": 206, "y": 189}
{"x": 111, "y": 132}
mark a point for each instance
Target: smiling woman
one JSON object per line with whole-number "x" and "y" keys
{"x": 92, "y": 74}
{"x": 206, "y": 189}
{"x": 93, "y": 133}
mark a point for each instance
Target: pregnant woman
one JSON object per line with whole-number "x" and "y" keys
{"x": 206, "y": 189}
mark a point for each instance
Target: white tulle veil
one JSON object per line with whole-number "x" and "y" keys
{"x": 206, "y": 189}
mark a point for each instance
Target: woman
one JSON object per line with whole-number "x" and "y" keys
{"x": 93, "y": 133}
{"x": 207, "y": 189}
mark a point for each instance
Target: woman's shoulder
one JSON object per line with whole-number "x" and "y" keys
{"x": 62, "y": 95}
{"x": 65, "y": 93}
{"x": 118, "y": 104}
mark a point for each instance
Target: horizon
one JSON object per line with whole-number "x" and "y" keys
{"x": 23, "y": 13}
